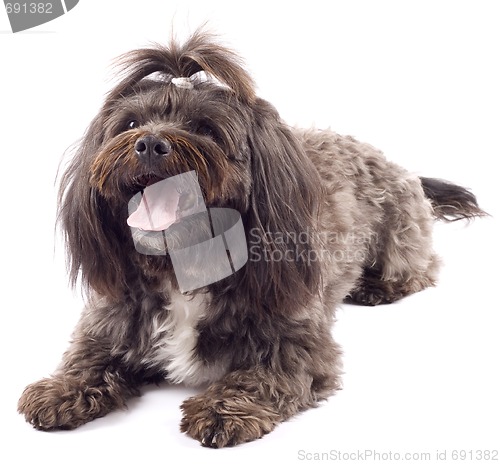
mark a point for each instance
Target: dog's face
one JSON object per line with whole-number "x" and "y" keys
{"x": 159, "y": 122}
{"x": 162, "y": 130}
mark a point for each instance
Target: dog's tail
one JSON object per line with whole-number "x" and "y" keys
{"x": 451, "y": 202}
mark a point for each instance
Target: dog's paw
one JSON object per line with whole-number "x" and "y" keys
{"x": 57, "y": 403}
{"x": 219, "y": 422}
{"x": 369, "y": 297}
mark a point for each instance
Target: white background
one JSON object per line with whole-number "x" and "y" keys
{"x": 420, "y": 80}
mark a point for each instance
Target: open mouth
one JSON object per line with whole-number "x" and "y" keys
{"x": 145, "y": 180}
{"x": 204, "y": 245}
{"x": 163, "y": 202}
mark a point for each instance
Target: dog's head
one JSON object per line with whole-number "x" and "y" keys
{"x": 181, "y": 109}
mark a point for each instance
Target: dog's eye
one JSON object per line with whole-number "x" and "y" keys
{"x": 206, "y": 129}
{"x": 133, "y": 124}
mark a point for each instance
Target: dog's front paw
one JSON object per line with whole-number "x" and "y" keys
{"x": 59, "y": 403}
{"x": 219, "y": 422}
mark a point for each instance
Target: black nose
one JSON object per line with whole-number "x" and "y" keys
{"x": 149, "y": 148}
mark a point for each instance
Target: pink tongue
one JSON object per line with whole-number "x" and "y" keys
{"x": 158, "y": 207}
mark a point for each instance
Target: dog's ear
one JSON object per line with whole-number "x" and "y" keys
{"x": 95, "y": 255}
{"x": 282, "y": 219}
{"x": 199, "y": 53}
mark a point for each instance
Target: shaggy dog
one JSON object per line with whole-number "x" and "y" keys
{"x": 325, "y": 218}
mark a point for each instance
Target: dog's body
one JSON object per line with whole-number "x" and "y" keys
{"x": 326, "y": 218}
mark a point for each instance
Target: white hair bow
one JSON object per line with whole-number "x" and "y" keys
{"x": 191, "y": 81}
{"x": 195, "y": 79}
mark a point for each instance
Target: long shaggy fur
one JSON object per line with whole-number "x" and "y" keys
{"x": 326, "y": 218}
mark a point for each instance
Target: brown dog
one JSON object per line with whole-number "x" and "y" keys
{"x": 325, "y": 218}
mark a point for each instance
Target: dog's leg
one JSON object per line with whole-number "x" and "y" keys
{"x": 87, "y": 385}
{"x": 372, "y": 289}
{"x": 404, "y": 261}
{"x": 248, "y": 403}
